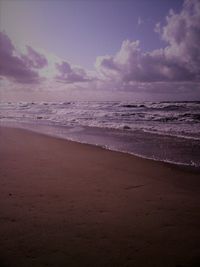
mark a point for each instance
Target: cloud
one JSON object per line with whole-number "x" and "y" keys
{"x": 19, "y": 67}
{"x": 182, "y": 32}
{"x": 34, "y": 60}
{"x": 176, "y": 66}
{"x": 69, "y": 74}
{"x": 178, "y": 62}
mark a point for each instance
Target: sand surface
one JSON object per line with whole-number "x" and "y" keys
{"x": 69, "y": 204}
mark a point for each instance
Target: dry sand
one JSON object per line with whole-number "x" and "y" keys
{"x": 69, "y": 204}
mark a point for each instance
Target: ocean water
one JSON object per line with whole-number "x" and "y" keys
{"x": 164, "y": 131}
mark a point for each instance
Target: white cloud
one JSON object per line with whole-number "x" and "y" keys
{"x": 178, "y": 62}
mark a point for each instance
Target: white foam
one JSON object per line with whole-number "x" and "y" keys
{"x": 178, "y": 119}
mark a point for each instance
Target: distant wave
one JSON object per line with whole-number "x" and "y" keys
{"x": 169, "y": 118}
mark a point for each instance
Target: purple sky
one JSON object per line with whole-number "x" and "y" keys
{"x": 111, "y": 49}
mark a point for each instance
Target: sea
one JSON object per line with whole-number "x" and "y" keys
{"x": 162, "y": 131}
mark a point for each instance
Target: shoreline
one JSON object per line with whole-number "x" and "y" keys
{"x": 63, "y": 203}
{"x": 184, "y": 166}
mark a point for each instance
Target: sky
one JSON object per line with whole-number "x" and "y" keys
{"x": 100, "y": 49}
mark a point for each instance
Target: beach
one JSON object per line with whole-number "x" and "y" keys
{"x": 64, "y": 203}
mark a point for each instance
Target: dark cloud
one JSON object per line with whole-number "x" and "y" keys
{"x": 19, "y": 68}
{"x": 69, "y": 74}
{"x": 34, "y": 60}
{"x": 179, "y": 61}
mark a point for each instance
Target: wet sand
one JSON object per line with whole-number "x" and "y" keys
{"x": 68, "y": 204}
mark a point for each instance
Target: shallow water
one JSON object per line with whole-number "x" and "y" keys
{"x": 164, "y": 131}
